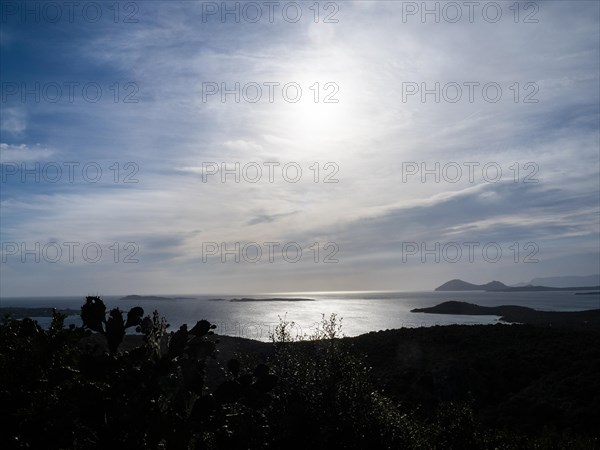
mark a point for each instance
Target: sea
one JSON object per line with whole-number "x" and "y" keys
{"x": 360, "y": 312}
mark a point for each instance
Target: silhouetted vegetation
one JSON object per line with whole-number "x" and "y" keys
{"x": 89, "y": 388}
{"x": 60, "y": 389}
{"x": 540, "y": 382}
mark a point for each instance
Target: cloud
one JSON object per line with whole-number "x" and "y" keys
{"x": 13, "y": 121}
{"x": 268, "y": 218}
{"x": 368, "y": 136}
{"x": 23, "y": 153}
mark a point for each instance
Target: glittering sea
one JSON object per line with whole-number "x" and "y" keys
{"x": 361, "y": 312}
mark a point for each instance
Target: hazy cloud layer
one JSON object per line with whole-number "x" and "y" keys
{"x": 124, "y": 143}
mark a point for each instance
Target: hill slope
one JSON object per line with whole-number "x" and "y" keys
{"x": 460, "y": 285}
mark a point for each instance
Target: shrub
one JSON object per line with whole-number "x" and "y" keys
{"x": 60, "y": 389}
{"x": 325, "y": 398}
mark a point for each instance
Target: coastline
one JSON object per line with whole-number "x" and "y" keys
{"x": 519, "y": 314}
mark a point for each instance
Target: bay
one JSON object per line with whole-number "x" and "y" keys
{"x": 361, "y": 312}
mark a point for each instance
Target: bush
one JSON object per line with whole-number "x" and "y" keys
{"x": 60, "y": 389}
{"x": 325, "y": 399}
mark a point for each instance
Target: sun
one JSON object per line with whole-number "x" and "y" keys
{"x": 321, "y": 117}
{"x": 320, "y": 108}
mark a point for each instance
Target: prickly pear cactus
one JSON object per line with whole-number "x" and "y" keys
{"x": 93, "y": 315}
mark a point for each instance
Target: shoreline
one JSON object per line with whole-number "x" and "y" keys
{"x": 518, "y": 314}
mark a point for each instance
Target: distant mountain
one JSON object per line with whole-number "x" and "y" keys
{"x": 547, "y": 288}
{"x": 567, "y": 281}
{"x": 460, "y": 285}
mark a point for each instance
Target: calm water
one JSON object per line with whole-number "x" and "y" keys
{"x": 361, "y": 312}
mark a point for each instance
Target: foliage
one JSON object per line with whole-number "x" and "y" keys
{"x": 326, "y": 399}
{"x": 324, "y": 387}
{"x": 60, "y": 389}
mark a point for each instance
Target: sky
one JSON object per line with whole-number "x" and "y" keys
{"x": 250, "y": 147}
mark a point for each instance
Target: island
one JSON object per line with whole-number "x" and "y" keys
{"x": 497, "y": 286}
{"x": 460, "y": 285}
{"x": 517, "y": 314}
{"x": 153, "y": 297}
